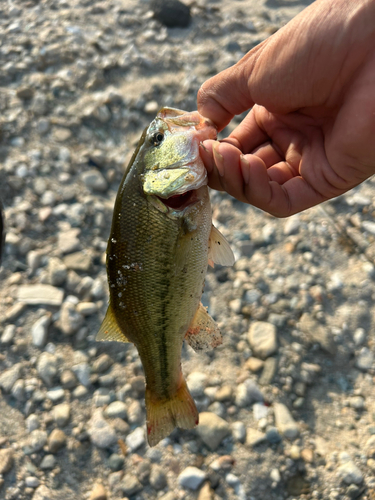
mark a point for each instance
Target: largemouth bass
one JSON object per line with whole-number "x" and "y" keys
{"x": 160, "y": 243}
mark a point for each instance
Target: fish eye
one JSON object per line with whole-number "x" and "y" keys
{"x": 157, "y": 138}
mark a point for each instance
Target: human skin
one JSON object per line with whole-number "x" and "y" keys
{"x": 310, "y": 135}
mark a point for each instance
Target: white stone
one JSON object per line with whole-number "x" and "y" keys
{"x": 191, "y": 478}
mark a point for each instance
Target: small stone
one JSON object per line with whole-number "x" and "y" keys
{"x": 206, "y": 492}
{"x": 135, "y": 439}
{"x": 359, "y": 336}
{"x": 82, "y": 372}
{"x": 152, "y": 107}
{"x": 8, "y": 334}
{"x": 61, "y": 414}
{"x": 135, "y": 412}
{"x": 350, "y": 473}
{"x": 115, "y": 462}
{"x": 117, "y": 409}
{"x": 247, "y": 393}
{"x": 40, "y": 295}
{"x": 292, "y": 225}
{"x": 196, "y": 382}
{"x": 285, "y": 423}
{"x": 239, "y": 431}
{"x": 212, "y": 429}
{"x": 68, "y": 380}
{"x": 87, "y": 308}
{"x": 357, "y": 402}
{"x": 307, "y": 455}
{"x": 171, "y": 13}
{"x": 6, "y": 460}
{"x": 295, "y": 452}
{"x": 254, "y": 437}
{"x": 268, "y": 372}
{"x": 102, "y": 363}
{"x": 68, "y": 241}
{"x": 43, "y": 493}
{"x": 254, "y": 364}
{"x": 94, "y": 180}
{"x": 47, "y": 367}
{"x": 39, "y": 330}
{"x": 56, "y": 272}
{"x": 224, "y": 393}
{"x": 158, "y": 479}
{"x": 98, "y": 492}
{"x": 101, "y": 433}
{"x": 80, "y": 392}
{"x": 260, "y": 410}
{"x": 365, "y": 359}
{"x": 32, "y": 482}
{"x": 48, "y": 462}
{"x": 9, "y": 377}
{"x": 18, "y": 390}
{"x": 191, "y": 478}
{"x": 32, "y": 422}
{"x": 78, "y": 261}
{"x": 55, "y": 394}
{"x": 43, "y": 126}
{"x": 25, "y": 92}
{"x": 273, "y": 435}
{"x": 70, "y": 319}
{"x": 37, "y": 440}
{"x": 56, "y": 440}
{"x": 262, "y": 339}
{"x": 61, "y": 134}
{"x": 130, "y": 485}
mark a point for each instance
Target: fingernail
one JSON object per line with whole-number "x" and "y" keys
{"x": 219, "y": 159}
{"x": 245, "y": 169}
{"x": 203, "y": 147}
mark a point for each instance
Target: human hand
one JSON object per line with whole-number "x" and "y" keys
{"x": 310, "y": 135}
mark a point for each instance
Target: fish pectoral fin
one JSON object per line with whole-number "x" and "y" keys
{"x": 110, "y": 330}
{"x": 163, "y": 416}
{"x": 219, "y": 250}
{"x": 203, "y": 333}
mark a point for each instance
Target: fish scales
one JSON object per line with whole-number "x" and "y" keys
{"x": 160, "y": 243}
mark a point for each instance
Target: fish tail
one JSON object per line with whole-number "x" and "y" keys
{"x": 166, "y": 414}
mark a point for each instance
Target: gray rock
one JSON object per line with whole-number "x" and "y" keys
{"x": 212, "y": 429}
{"x": 55, "y": 394}
{"x": 135, "y": 439}
{"x": 70, "y": 319}
{"x": 82, "y": 372}
{"x": 135, "y": 412}
{"x": 37, "y": 440}
{"x": 39, "y": 330}
{"x": 292, "y": 225}
{"x": 48, "y": 462}
{"x": 94, "y": 180}
{"x": 239, "y": 431}
{"x": 365, "y": 359}
{"x": 40, "y": 295}
{"x": 254, "y": 437}
{"x": 18, "y": 390}
{"x": 8, "y": 334}
{"x": 247, "y": 393}
{"x": 80, "y": 392}
{"x": 196, "y": 382}
{"x": 68, "y": 241}
{"x": 68, "y": 380}
{"x": 191, "y": 478}
{"x": 56, "y": 272}
{"x": 32, "y": 482}
{"x": 262, "y": 339}
{"x": 115, "y": 462}
{"x": 43, "y": 493}
{"x": 47, "y": 367}
{"x": 101, "y": 433}
{"x": 78, "y": 261}
{"x": 348, "y": 470}
{"x": 269, "y": 370}
{"x": 130, "y": 485}
{"x": 117, "y": 409}
{"x": 171, "y": 13}
{"x": 32, "y": 422}
{"x": 102, "y": 363}
{"x": 317, "y": 333}
{"x": 56, "y": 440}
{"x": 285, "y": 423}
{"x": 61, "y": 414}
{"x": 6, "y": 460}
{"x": 9, "y": 377}
{"x": 158, "y": 478}
{"x": 272, "y": 435}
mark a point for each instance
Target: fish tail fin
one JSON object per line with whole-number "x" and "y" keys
{"x": 164, "y": 415}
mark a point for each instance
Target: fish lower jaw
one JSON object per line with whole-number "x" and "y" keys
{"x": 180, "y": 201}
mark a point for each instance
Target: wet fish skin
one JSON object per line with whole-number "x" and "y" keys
{"x": 157, "y": 259}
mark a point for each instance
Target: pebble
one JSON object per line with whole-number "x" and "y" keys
{"x": 254, "y": 437}
{"x": 56, "y": 272}
{"x": 262, "y": 339}
{"x": 130, "y": 485}
{"x": 61, "y": 414}
{"x": 47, "y": 367}
{"x": 37, "y": 440}
{"x": 48, "y": 462}
{"x": 9, "y": 377}
{"x": 135, "y": 439}
{"x": 42, "y": 493}
{"x": 95, "y": 181}
{"x": 292, "y": 225}
{"x": 101, "y": 433}
{"x": 349, "y": 471}
{"x": 82, "y": 372}
{"x": 32, "y": 482}
{"x": 196, "y": 382}
{"x": 191, "y": 478}
{"x": 98, "y": 492}
{"x": 39, "y": 330}
{"x": 206, "y": 492}
{"x": 8, "y": 334}
{"x": 102, "y": 363}
{"x": 365, "y": 359}
{"x": 269, "y": 370}
{"x": 212, "y": 429}
{"x": 247, "y": 393}
{"x": 285, "y": 423}
{"x": 117, "y": 409}
{"x": 56, "y": 440}
{"x": 6, "y": 460}
{"x": 78, "y": 261}
{"x": 158, "y": 479}
{"x": 68, "y": 379}
{"x": 254, "y": 364}
{"x": 87, "y": 308}
{"x": 55, "y": 394}
{"x": 115, "y": 462}
{"x": 32, "y": 422}
{"x": 70, "y": 319}
{"x": 273, "y": 435}
{"x": 238, "y": 431}
{"x": 171, "y": 13}
{"x": 40, "y": 294}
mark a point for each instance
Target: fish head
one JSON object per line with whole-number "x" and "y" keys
{"x": 172, "y": 166}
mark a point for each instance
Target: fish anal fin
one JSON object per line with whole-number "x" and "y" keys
{"x": 219, "y": 250}
{"x": 109, "y": 330}
{"x": 164, "y": 415}
{"x": 203, "y": 333}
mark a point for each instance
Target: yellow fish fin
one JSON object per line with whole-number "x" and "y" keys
{"x": 109, "y": 330}
{"x": 203, "y": 333}
{"x": 164, "y": 415}
{"x": 219, "y": 250}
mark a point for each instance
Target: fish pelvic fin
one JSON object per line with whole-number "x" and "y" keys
{"x": 110, "y": 330}
{"x": 203, "y": 333}
{"x": 219, "y": 251}
{"x": 166, "y": 414}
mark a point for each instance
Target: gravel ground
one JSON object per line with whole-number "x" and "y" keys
{"x": 287, "y": 402}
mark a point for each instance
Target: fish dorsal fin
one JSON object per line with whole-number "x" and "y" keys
{"x": 203, "y": 333}
{"x": 110, "y": 330}
{"x": 219, "y": 250}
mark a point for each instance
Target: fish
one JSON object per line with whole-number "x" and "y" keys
{"x": 160, "y": 244}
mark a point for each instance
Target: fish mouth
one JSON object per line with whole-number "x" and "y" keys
{"x": 180, "y": 201}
